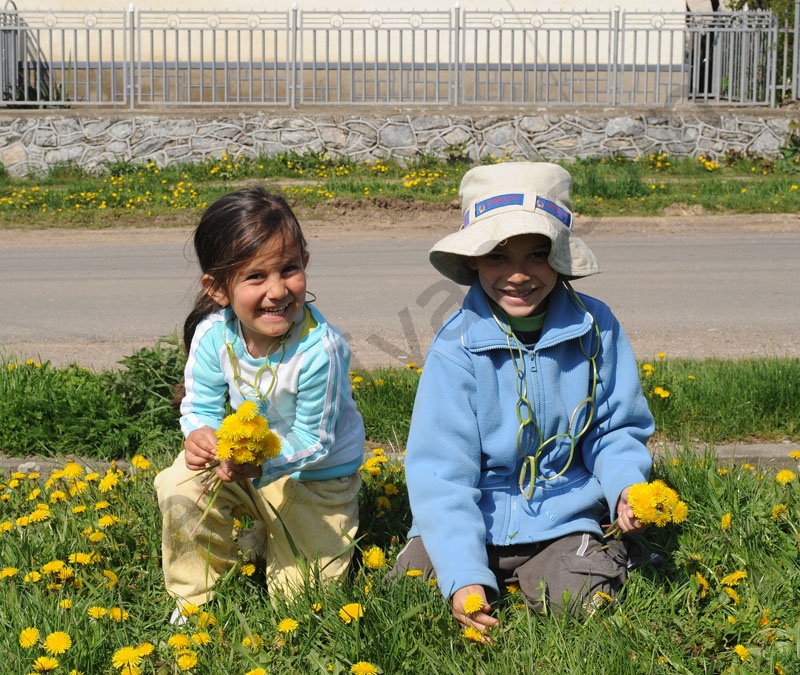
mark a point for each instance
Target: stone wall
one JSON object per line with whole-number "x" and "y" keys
{"x": 33, "y": 141}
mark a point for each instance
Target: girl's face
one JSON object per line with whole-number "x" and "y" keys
{"x": 267, "y": 293}
{"x": 516, "y": 274}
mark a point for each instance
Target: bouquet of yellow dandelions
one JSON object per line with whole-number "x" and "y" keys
{"x": 244, "y": 437}
{"x": 653, "y": 503}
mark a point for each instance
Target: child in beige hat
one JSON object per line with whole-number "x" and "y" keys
{"x": 529, "y": 424}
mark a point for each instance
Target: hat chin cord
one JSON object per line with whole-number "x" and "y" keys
{"x": 524, "y": 408}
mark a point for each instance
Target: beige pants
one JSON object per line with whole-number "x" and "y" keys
{"x": 321, "y": 518}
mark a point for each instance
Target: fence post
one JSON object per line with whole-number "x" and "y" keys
{"x": 455, "y": 95}
{"x": 293, "y": 56}
{"x": 796, "y": 52}
{"x": 132, "y": 56}
{"x": 615, "y": 38}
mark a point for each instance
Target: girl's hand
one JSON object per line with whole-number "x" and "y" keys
{"x": 230, "y": 472}
{"x": 480, "y": 619}
{"x": 200, "y": 448}
{"x": 626, "y": 521}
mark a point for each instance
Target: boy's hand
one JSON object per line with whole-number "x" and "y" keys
{"x": 200, "y": 448}
{"x": 480, "y": 619}
{"x": 625, "y": 519}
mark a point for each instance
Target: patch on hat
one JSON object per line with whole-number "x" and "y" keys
{"x": 554, "y": 210}
{"x": 496, "y": 202}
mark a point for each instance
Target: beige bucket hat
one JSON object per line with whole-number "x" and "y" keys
{"x": 504, "y": 200}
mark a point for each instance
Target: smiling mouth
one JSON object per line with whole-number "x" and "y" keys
{"x": 518, "y": 294}
{"x": 275, "y": 311}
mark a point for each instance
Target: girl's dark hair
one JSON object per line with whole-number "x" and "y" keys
{"x": 230, "y": 232}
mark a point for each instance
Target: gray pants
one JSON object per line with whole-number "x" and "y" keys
{"x": 573, "y": 573}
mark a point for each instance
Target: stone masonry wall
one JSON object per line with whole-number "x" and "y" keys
{"x": 33, "y": 141}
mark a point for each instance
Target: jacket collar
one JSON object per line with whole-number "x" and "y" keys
{"x": 565, "y": 320}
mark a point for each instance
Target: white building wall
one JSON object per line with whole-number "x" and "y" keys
{"x": 353, "y": 5}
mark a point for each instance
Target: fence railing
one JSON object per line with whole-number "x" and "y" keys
{"x": 144, "y": 59}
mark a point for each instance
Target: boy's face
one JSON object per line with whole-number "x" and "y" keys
{"x": 516, "y": 274}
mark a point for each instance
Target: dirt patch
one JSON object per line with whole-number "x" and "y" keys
{"x": 342, "y": 219}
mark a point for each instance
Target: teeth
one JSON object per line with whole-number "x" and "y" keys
{"x": 277, "y": 310}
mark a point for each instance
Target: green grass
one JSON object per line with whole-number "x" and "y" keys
{"x": 79, "y": 554}
{"x": 131, "y": 194}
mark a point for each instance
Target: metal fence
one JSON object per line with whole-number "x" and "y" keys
{"x": 145, "y": 59}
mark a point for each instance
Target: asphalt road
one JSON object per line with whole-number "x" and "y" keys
{"x": 94, "y": 301}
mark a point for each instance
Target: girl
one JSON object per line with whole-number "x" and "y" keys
{"x": 252, "y": 336}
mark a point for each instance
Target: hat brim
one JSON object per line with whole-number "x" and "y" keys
{"x": 569, "y": 255}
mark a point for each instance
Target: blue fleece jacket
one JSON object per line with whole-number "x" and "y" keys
{"x": 462, "y": 462}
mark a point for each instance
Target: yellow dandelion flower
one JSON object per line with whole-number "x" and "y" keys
{"x": 364, "y": 668}
{"x": 785, "y": 477}
{"x": 732, "y": 594}
{"x": 201, "y": 638}
{"x": 32, "y": 577}
{"x": 187, "y": 660}
{"x": 351, "y": 612}
{"x": 206, "y": 620}
{"x": 80, "y": 508}
{"x": 81, "y": 558}
{"x": 287, "y": 626}
{"x": 473, "y": 603}
{"x": 53, "y": 567}
{"x": 472, "y": 633}
{"x": 733, "y": 578}
{"x": 96, "y": 612}
{"x": 779, "y": 511}
{"x": 703, "y": 583}
{"x": 248, "y": 569}
{"x": 57, "y": 643}
{"x": 8, "y": 572}
{"x": 102, "y": 504}
{"x": 742, "y": 652}
{"x": 413, "y": 573}
{"x": 190, "y": 609}
{"x": 795, "y": 454}
{"x": 66, "y": 603}
{"x": 374, "y": 558}
{"x": 107, "y": 521}
{"x": 72, "y": 470}
{"x": 779, "y": 669}
{"x": 139, "y": 462}
{"x": 45, "y": 664}
{"x": 28, "y": 637}
{"x": 126, "y": 657}
{"x": 39, "y": 515}
{"x": 725, "y": 521}
{"x": 179, "y": 641}
{"x": 316, "y": 607}
{"x": 118, "y": 614}
{"x": 109, "y": 481}
{"x": 145, "y": 649}
{"x": 256, "y": 671}
{"x": 252, "y": 642}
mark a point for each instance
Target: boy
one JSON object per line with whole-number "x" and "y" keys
{"x": 529, "y": 424}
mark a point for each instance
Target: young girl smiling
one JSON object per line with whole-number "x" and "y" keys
{"x": 252, "y": 336}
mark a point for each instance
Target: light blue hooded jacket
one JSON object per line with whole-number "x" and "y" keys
{"x": 462, "y": 462}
